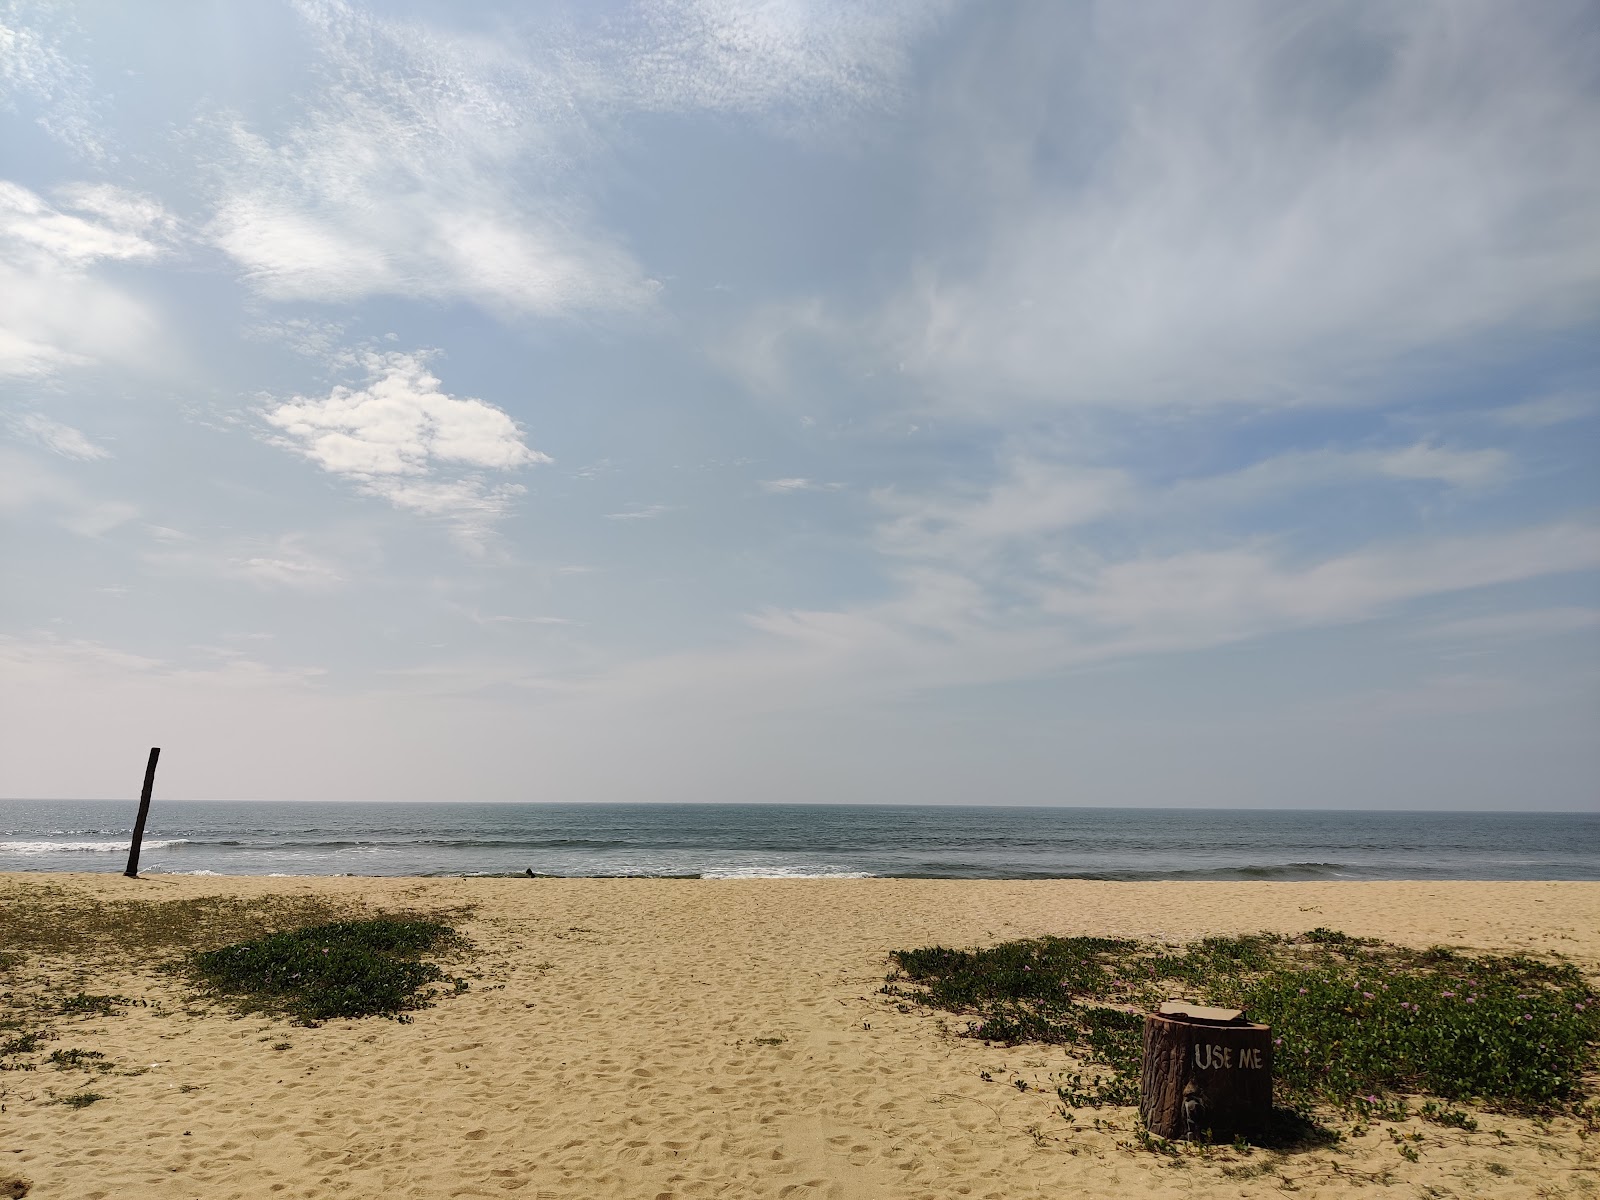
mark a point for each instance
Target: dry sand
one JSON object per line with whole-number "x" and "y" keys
{"x": 622, "y": 1038}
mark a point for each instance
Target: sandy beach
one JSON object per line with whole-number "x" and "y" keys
{"x": 686, "y": 1038}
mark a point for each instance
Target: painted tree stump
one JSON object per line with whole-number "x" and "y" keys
{"x": 1207, "y": 1073}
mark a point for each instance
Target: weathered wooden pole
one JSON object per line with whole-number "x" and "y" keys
{"x": 144, "y": 811}
{"x": 1207, "y": 1073}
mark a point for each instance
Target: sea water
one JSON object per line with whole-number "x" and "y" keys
{"x": 784, "y": 840}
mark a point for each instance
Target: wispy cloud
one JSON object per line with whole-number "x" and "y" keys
{"x": 53, "y": 435}
{"x": 1542, "y": 412}
{"x": 417, "y": 171}
{"x": 1244, "y": 204}
{"x": 54, "y": 312}
{"x": 37, "y": 68}
{"x": 801, "y": 66}
{"x": 29, "y": 487}
{"x": 1527, "y": 623}
{"x": 648, "y": 512}
{"x": 781, "y": 487}
{"x": 451, "y": 166}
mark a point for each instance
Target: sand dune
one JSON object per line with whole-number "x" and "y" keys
{"x": 684, "y": 1038}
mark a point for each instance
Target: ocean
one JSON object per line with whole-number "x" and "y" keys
{"x": 796, "y": 841}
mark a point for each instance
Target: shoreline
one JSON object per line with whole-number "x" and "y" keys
{"x": 670, "y": 1037}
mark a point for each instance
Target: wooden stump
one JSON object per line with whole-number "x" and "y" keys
{"x": 1205, "y": 1078}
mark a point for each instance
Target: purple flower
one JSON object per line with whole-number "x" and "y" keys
{"x": 1472, "y": 999}
{"x": 1302, "y": 991}
{"x": 1527, "y": 1016}
{"x": 1448, "y": 995}
{"x": 1368, "y": 995}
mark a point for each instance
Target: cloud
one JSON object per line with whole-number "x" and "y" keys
{"x": 1157, "y": 205}
{"x": 431, "y": 166}
{"x": 403, "y": 439}
{"x": 647, "y": 512}
{"x": 1281, "y": 475}
{"x": 1529, "y": 623}
{"x": 97, "y": 520}
{"x": 782, "y": 487}
{"x": 1034, "y": 499}
{"x": 35, "y": 69}
{"x": 54, "y": 312}
{"x": 802, "y": 66}
{"x": 1206, "y": 597}
{"x": 451, "y": 166}
{"x": 27, "y": 485}
{"x": 89, "y": 665}
{"x": 300, "y": 573}
{"x": 1462, "y": 468}
{"x": 52, "y": 435}
{"x": 1542, "y": 412}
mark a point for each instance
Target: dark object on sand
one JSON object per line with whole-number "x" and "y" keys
{"x": 1207, "y": 1073}
{"x": 144, "y": 811}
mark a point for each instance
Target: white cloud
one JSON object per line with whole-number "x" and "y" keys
{"x": 802, "y": 65}
{"x": 96, "y": 520}
{"x": 301, "y": 573}
{"x": 1542, "y": 412}
{"x": 781, "y": 487}
{"x": 1034, "y": 499}
{"x": 54, "y": 312}
{"x": 35, "y": 69}
{"x": 1243, "y": 204}
{"x": 52, "y": 435}
{"x": 27, "y": 485}
{"x": 87, "y": 665}
{"x": 1462, "y": 468}
{"x": 403, "y": 439}
{"x": 1529, "y": 623}
{"x": 449, "y": 165}
{"x": 404, "y": 179}
{"x": 1270, "y": 480}
{"x": 1205, "y": 597}
{"x": 648, "y": 512}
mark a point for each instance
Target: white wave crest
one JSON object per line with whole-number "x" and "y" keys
{"x": 80, "y": 847}
{"x": 781, "y": 873}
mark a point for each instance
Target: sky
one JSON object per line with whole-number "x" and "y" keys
{"x": 1135, "y": 403}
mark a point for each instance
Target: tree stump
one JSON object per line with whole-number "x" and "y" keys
{"x": 1207, "y": 1073}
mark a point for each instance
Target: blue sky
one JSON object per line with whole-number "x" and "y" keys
{"x": 1067, "y": 403}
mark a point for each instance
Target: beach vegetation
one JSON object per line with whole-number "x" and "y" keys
{"x": 83, "y": 1004}
{"x": 78, "y": 1060}
{"x": 81, "y": 1099}
{"x": 337, "y": 969}
{"x": 1356, "y": 1023}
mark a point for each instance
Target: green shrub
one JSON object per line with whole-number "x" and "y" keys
{"x": 1352, "y": 1018}
{"x": 339, "y": 969}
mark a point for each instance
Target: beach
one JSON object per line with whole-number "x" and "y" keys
{"x": 695, "y": 1037}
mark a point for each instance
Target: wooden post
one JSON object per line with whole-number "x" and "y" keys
{"x": 144, "y": 811}
{"x": 1207, "y": 1073}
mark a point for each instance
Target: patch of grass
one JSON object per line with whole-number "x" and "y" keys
{"x": 1355, "y": 1021}
{"x": 80, "y": 1099}
{"x": 57, "y": 921}
{"x": 337, "y": 969}
{"x": 78, "y": 1060}
{"x": 1443, "y": 1114}
{"x": 86, "y": 1005}
{"x": 23, "y": 1043}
